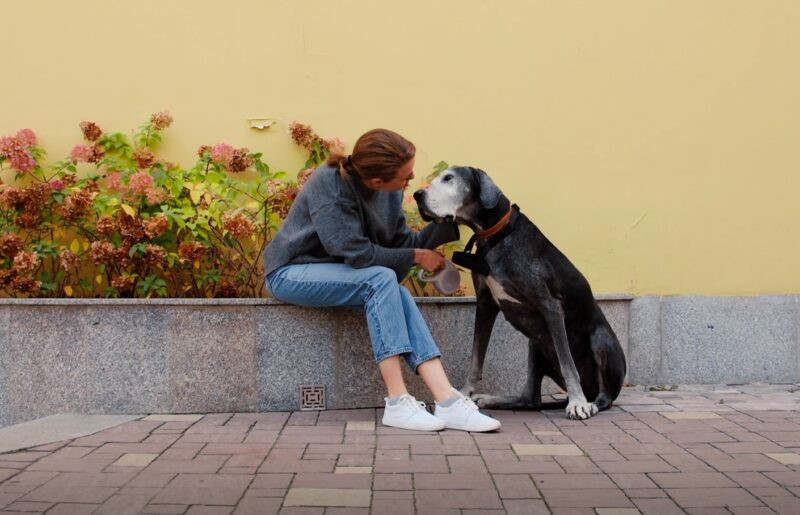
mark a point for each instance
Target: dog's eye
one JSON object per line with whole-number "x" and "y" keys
{"x": 446, "y": 178}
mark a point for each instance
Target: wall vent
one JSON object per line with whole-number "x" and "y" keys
{"x": 312, "y": 397}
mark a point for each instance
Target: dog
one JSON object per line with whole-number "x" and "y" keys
{"x": 518, "y": 271}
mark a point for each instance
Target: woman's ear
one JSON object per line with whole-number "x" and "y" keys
{"x": 374, "y": 183}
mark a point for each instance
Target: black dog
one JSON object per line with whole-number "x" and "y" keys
{"x": 516, "y": 269}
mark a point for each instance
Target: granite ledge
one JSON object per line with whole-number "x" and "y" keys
{"x": 250, "y": 301}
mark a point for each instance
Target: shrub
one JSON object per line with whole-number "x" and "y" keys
{"x": 115, "y": 220}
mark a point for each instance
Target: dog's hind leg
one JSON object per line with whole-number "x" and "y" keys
{"x": 531, "y": 398}
{"x": 486, "y": 311}
{"x": 610, "y": 365}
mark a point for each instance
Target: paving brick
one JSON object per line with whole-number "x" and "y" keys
{"x": 458, "y": 481}
{"x": 515, "y": 486}
{"x": 579, "y": 497}
{"x": 207, "y": 464}
{"x": 785, "y": 458}
{"x": 428, "y": 500}
{"x": 691, "y": 480}
{"x": 626, "y": 481}
{"x": 392, "y": 482}
{"x": 258, "y": 506}
{"x": 471, "y": 464}
{"x": 393, "y": 507}
{"x": 222, "y": 489}
{"x": 337, "y": 481}
{"x": 56, "y": 492}
{"x": 546, "y": 450}
{"x": 272, "y": 481}
{"x": 209, "y": 510}
{"x": 417, "y": 463}
{"x": 165, "y": 508}
{"x": 644, "y": 493}
{"x": 565, "y": 481}
{"x": 128, "y": 501}
{"x": 28, "y": 506}
{"x": 525, "y": 507}
{"x": 712, "y": 497}
{"x": 134, "y": 460}
{"x": 327, "y": 497}
{"x": 354, "y": 425}
{"x": 783, "y": 505}
{"x": 72, "y": 509}
{"x": 279, "y": 466}
{"x": 690, "y": 415}
{"x": 658, "y": 507}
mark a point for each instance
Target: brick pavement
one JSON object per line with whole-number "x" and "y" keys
{"x": 697, "y": 450}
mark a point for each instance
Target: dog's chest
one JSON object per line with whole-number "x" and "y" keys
{"x": 498, "y": 293}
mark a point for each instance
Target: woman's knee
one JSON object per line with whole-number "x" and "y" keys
{"x": 382, "y": 277}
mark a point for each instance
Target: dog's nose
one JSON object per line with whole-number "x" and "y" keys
{"x": 418, "y": 195}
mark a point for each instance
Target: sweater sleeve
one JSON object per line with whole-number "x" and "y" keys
{"x": 340, "y": 231}
{"x": 430, "y": 237}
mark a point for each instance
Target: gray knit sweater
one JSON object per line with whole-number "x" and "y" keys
{"x": 339, "y": 220}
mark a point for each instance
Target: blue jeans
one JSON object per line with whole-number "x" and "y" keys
{"x": 396, "y": 326}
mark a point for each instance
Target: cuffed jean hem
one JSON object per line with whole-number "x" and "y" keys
{"x": 394, "y": 352}
{"x": 414, "y": 363}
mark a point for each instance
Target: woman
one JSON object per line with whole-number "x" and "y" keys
{"x": 345, "y": 243}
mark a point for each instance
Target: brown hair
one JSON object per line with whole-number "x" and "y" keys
{"x": 378, "y": 153}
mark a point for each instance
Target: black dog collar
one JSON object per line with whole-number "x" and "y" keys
{"x": 477, "y": 262}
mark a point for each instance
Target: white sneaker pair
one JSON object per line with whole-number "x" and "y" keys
{"x": 463, "y": 414}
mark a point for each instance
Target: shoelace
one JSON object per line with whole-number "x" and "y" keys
{"x": 469, "y": 403}
{"x": 413, "y": 403}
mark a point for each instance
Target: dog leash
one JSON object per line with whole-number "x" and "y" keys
{"x": 477, "y": 262}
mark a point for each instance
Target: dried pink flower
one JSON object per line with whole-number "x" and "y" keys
{"x": 144, "y": 157}
{"x": 27, "y": 137}
{"x": 25, "y": 262}
{"x": 16, "y": 150}
{"x": 114, "y": 181}
{"x": 161, "y": 120}
{"x": 81, "y": 154}
{"x": 222, "y": 154}
{"x": 140, "y": 183}
{"x": 156, "y": 196}
{"x": 91, "y": 131}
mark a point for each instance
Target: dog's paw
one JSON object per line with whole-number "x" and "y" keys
{"x": 467, "y": 390}
{"x": 580, "y": 409}
{"x": 481, "y": 399}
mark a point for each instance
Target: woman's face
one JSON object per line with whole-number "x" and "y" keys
{"x": 400, "y": 182}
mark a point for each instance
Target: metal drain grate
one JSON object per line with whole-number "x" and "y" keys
{"x": 312, "y": 397}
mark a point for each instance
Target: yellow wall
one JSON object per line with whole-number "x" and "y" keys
{"x": 657, "y": 143}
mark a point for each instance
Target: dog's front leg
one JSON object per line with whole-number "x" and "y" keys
{"x": 486, "y": 312}
{"x": 577, "y": 408}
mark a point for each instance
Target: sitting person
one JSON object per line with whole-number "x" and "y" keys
{"x": 345, "y": 243}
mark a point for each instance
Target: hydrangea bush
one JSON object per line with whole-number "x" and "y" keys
{"x": 115, "y": 220}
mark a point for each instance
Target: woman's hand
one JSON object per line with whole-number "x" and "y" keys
{"x": 429, "y": 260}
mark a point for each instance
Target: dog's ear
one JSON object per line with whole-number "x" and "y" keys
{"x": 489, "y": 193}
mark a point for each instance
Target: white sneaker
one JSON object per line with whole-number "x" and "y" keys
{"x": 409, "y": 413}
{"x": 464, "y": 415}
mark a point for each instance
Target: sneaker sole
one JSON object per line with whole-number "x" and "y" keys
{"x": 434, "y": 429}
{"x": 473, "y": 430}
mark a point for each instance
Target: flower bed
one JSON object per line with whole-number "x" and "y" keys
{"x": 115, "y": 220}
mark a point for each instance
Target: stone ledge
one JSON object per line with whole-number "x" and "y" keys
{"x": 221, "y": 355}
{"x": 250, "y": 301}
{"x": 207, "y": 355}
